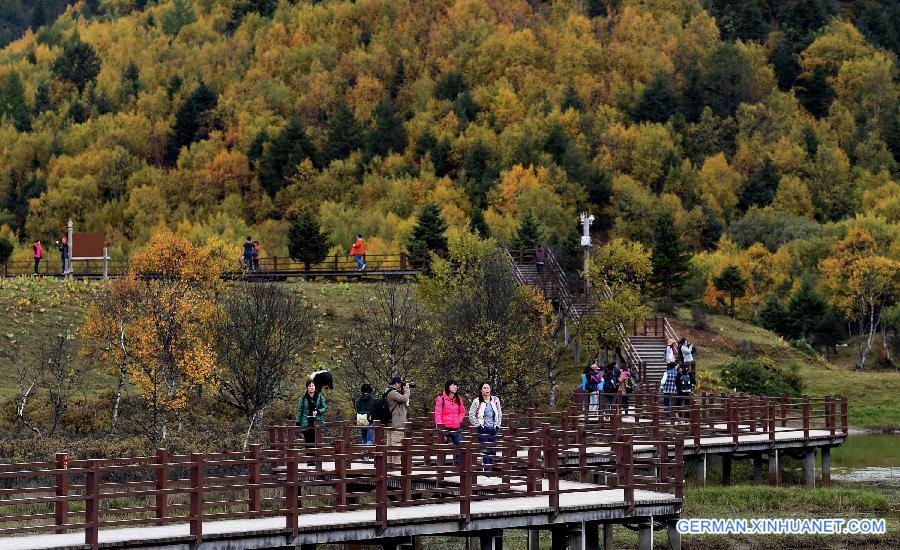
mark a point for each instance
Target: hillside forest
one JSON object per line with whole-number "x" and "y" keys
{"x": 751, "y": 147}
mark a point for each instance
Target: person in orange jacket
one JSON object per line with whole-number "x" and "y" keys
{"x": 358, "y": 250}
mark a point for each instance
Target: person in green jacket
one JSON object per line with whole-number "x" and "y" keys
{"x": 311, "y": 408}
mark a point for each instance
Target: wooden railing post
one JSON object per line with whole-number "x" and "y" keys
{"x": 629, "y": 470}
{"x": 844, "y": 414}
{"x": 467, "y": 478}
{"x": 403, "y": 261}
{"x": 197, "y": 473}
{"x": 275, "y": 263}
{"x": 381, "y": 497}
{"x": 291, "y": 492}
{"x": 806, "y": 419}
{"x": 784, "y": 411}
{"x": 679, "y": 466}
{"x": 92, "y": 505}
{"x": 162, "y": 481}
{"x": 254, "y": 470}
{"x": 340, "y": 474}
{"x": 695, "y": 425}
{"x": 61, "y": 507}
{"x": 406, "y": 469}
{"x": 553, "y": 474}
{"x": 335, "y": 261}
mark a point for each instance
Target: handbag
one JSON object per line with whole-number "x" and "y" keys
{"x": 362, "y": 419}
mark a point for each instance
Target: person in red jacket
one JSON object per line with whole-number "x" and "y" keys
{"x": 449, "y": 413}
{"x": 38, "y": 255}
{"x": 358, "y": 250}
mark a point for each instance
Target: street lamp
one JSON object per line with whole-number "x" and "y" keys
{"x": 586, "y": 222}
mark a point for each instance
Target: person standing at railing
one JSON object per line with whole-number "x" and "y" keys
{"x": 63, "y": 247}
{"x": 397, "y": 397}
{"x": 686, "y": 347}
{"x": 449, "y": 413}
{"x": 256, "y": 251}
{"x": 668, "y": 387}
{"x": 626, "y": 387}
{"x": 610, "y": 386}
{"x": 593, "y": 379}
{"x": 38, "y": 255}
{"x": 311, "y": 408}
{"x": 684, "y": 385}
{"x": 363, "y": 408}
{"x": 358, "y": 251}
{"x": 248, "y": 254}
{"x": 486, "y": 413}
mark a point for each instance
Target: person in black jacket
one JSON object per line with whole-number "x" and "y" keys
{"x": 363, "y": 408}
{"x": 63, "y": 247}
{"x": 684, "y": 385}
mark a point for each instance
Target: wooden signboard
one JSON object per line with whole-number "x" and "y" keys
{"x": 88, "y": 245}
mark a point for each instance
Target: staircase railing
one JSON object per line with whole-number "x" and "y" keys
{"x": 632, "y": 357}
{"x": 563, "y": 295}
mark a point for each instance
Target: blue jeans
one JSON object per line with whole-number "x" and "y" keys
{"x": 667, "y": 402}
{"x": 455, "y": 437}
{"x": 359, "y": 261}
{"x": 488, "y": 438}
{"x": 248, "y": 261}
{"x": 368, "y": 436}
{"x": 609, "y": 401}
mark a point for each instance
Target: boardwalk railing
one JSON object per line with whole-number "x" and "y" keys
{"x": 330, "y": 476}
{"x": 339, "y": 264}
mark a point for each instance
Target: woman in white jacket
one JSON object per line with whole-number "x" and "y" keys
{"x": 486, "y": 413}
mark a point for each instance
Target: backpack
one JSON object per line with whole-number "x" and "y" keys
{"x": 686, "y": 386}
{"x": 611, "y": 381}
{"x": 592, "y": 383}
{"x": 380, "y": 409}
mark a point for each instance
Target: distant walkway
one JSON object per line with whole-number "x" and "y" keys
{"x": 378, "y": 266}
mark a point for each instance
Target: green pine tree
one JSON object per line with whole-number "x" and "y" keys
{"x": 441, "y": 158}
{"x": 174, "y": 19}
{"x": 189, "y": 121}
{"x": 805, "y": 310}
{"x": 13, "y": 104}
{"x": 477, "y": 225}
{"x": 306, "y": 241}
{"x": 388, "y": 134}
{"x": 731, "y": 282}
{"x": 131, "y": 82}
{"x": 761, "y": 186}
{"x": 6, "y": 250}
{"x": 528, "y": 235}
{"x": 669, "y": 258}
{"x": 78, "y": 63}
{"x": 343, "y": 136}
{"x": 658, "y": 102}
{"x": 280, "y": 159}
{"x": 571, "y": 100}
{"x": 479, "y": 173}
{"x": 427, "y": 236}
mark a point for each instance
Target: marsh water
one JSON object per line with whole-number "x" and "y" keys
{"x": 868, "y": 457}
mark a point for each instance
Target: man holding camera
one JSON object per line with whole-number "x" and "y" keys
{"x": 397, "y": 397}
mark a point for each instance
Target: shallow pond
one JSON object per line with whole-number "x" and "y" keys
{"x": 868, "y": 458}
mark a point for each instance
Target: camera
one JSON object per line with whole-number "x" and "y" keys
{"x": 411, "y": 384}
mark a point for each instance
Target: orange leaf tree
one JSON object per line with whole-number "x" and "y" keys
{"x": 160, "y": 330}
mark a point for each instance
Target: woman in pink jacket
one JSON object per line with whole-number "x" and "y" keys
{"x": 449, "y": 412}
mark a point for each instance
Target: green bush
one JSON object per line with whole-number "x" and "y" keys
{"x": 761, "y": 377}
{"x": 6, "y": 250}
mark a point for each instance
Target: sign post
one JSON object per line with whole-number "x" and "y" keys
{"x": 67, "y": 272}
{"x": 88, "y": 246}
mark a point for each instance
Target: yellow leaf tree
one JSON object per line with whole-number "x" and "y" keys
{"x": 861, "y": 284}
{"x": 160, "y": 330}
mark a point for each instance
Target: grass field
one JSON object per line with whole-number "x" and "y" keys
{"x": 32, "y": 311}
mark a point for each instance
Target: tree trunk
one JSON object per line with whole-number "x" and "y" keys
{"x": 731, "y": 305}
{"x": 119, "y": 389}
{"x": 253, "y": 419}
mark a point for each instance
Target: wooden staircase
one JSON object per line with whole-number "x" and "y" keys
{"x": 644, "y": 348}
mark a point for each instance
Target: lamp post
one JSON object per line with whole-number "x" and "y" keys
{"x": 586, "y": 221}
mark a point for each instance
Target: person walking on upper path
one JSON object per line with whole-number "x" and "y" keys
{"x": 449, "y": 413}
{"x": 363, "y": 408}
{"x": 397, "y": 397}
{"x": 248, "y": 254}
{"x": 540, "y": 258}
{"x": 63, "y": 247}
{"x": 38, "y": 255}
{"x": 311, "y": 408}
{"x": 668, "y": 387}
{"x": 358, "y": 251}
{"x": 486, "y": 413}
